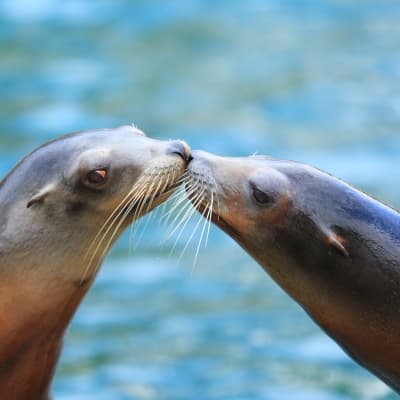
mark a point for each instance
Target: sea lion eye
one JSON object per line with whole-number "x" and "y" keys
{"x": 262, "y": 197}
{"x": 97, "y": 176}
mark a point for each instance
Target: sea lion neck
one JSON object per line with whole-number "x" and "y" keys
{"x": 34, "y": 316}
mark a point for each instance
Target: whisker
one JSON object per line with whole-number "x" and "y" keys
{"x": 110, "y": 217}
{"x": 181, "y": 197}
{"x": 184, "y": 210}
{"x": 161, "y": 188}
{"x": 122, "y": 217}
{"x": 110, "y": 221}
{"x": 136, "y": 215}
{"x": 209, "y": 215}
{"x": 165, "y": 202}
{"x": 206, "y": 209}
{"x": 187, "y": 217}
{"x": 180, "y": 215}
{"x": 191, "y": 237}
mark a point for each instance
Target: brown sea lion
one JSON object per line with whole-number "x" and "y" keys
{"x": 332, "y": 248}
{"x": 62, "y": 207}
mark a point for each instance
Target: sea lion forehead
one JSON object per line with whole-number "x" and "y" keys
{"x": 123, "y": 129}
{"x": 259, "y": 167}
{"x": 60, "y": 153}
{"x": 122, "y": 141}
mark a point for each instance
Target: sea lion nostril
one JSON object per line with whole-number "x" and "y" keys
{"x": 181, "y": 149}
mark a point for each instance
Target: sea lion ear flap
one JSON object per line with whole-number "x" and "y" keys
{"x": 336, "y": 242}
{"x": 40, "y": 196}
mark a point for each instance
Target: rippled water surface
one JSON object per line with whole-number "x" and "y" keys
{"x": 315, "y": 81}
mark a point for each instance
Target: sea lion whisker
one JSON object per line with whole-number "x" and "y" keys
{"x": 187, "y": 214}
{"x": 150, "y": 216}
{"x": 191, "y": 237}
{"x": 167, "y": 189}
{"x": 217, "y": 197}
{"x": 104, "y": 231}
{"x": 180, "y": 213}
{"x": 117, "y": 228}
{"x": 133, "y": 228}
{"x": 149, "y": 200}
{"x": 178, "y": 198}
{"x": 142, "y": 203}
{"x": 179, "y": 189}
{"x": 141, "y": 206}
{"x": 121, "y": 208}
{"x": 203, "y": 214}
{"x": 149, "y": 204}
{"x": 181, "y": 200}
{"x": 190, "y": 211}
{"x": 184, "y": 210}
{"x": 142, "y": 229}
{"x": 178, "y": 195}
{"x": 175, "y": 206}
{"x": 183, "y": 178}
{"x": 108, "y": 220}
{"x": 118, "y": 209}
{"x": 159, "y": 189}
{"x": 142, "y": 198}
{"x": 209, "y": 215}
{"x": 164, "y": 189}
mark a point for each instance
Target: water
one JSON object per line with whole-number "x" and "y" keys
{"x": 315, "y": 81}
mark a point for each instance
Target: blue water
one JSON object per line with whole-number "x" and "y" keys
{"x": 315, "y": 81}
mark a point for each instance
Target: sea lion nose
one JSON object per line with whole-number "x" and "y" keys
{"x": 181, "y": 149}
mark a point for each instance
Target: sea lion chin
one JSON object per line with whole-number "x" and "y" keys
{"x": 334, "y": 249}
{"x": 62, "y": 207}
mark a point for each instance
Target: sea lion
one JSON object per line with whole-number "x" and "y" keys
{"x": 62, "y": 207}
{"x": 332, "y": 248}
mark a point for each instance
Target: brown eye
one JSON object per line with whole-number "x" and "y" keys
{"x": 97, "y": 176}
{"x": 262, "y": 197}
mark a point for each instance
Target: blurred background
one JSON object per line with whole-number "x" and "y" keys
{"x": 315, "y": 81}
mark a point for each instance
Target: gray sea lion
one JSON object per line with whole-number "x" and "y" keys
{"x": 334, "y": 249}
{"x": 62, "y": 207}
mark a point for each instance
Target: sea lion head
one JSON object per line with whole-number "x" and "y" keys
{"x": 246, "y": 194}
{"x": 72, "y": 197}
{"x": 283, "y": 213}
